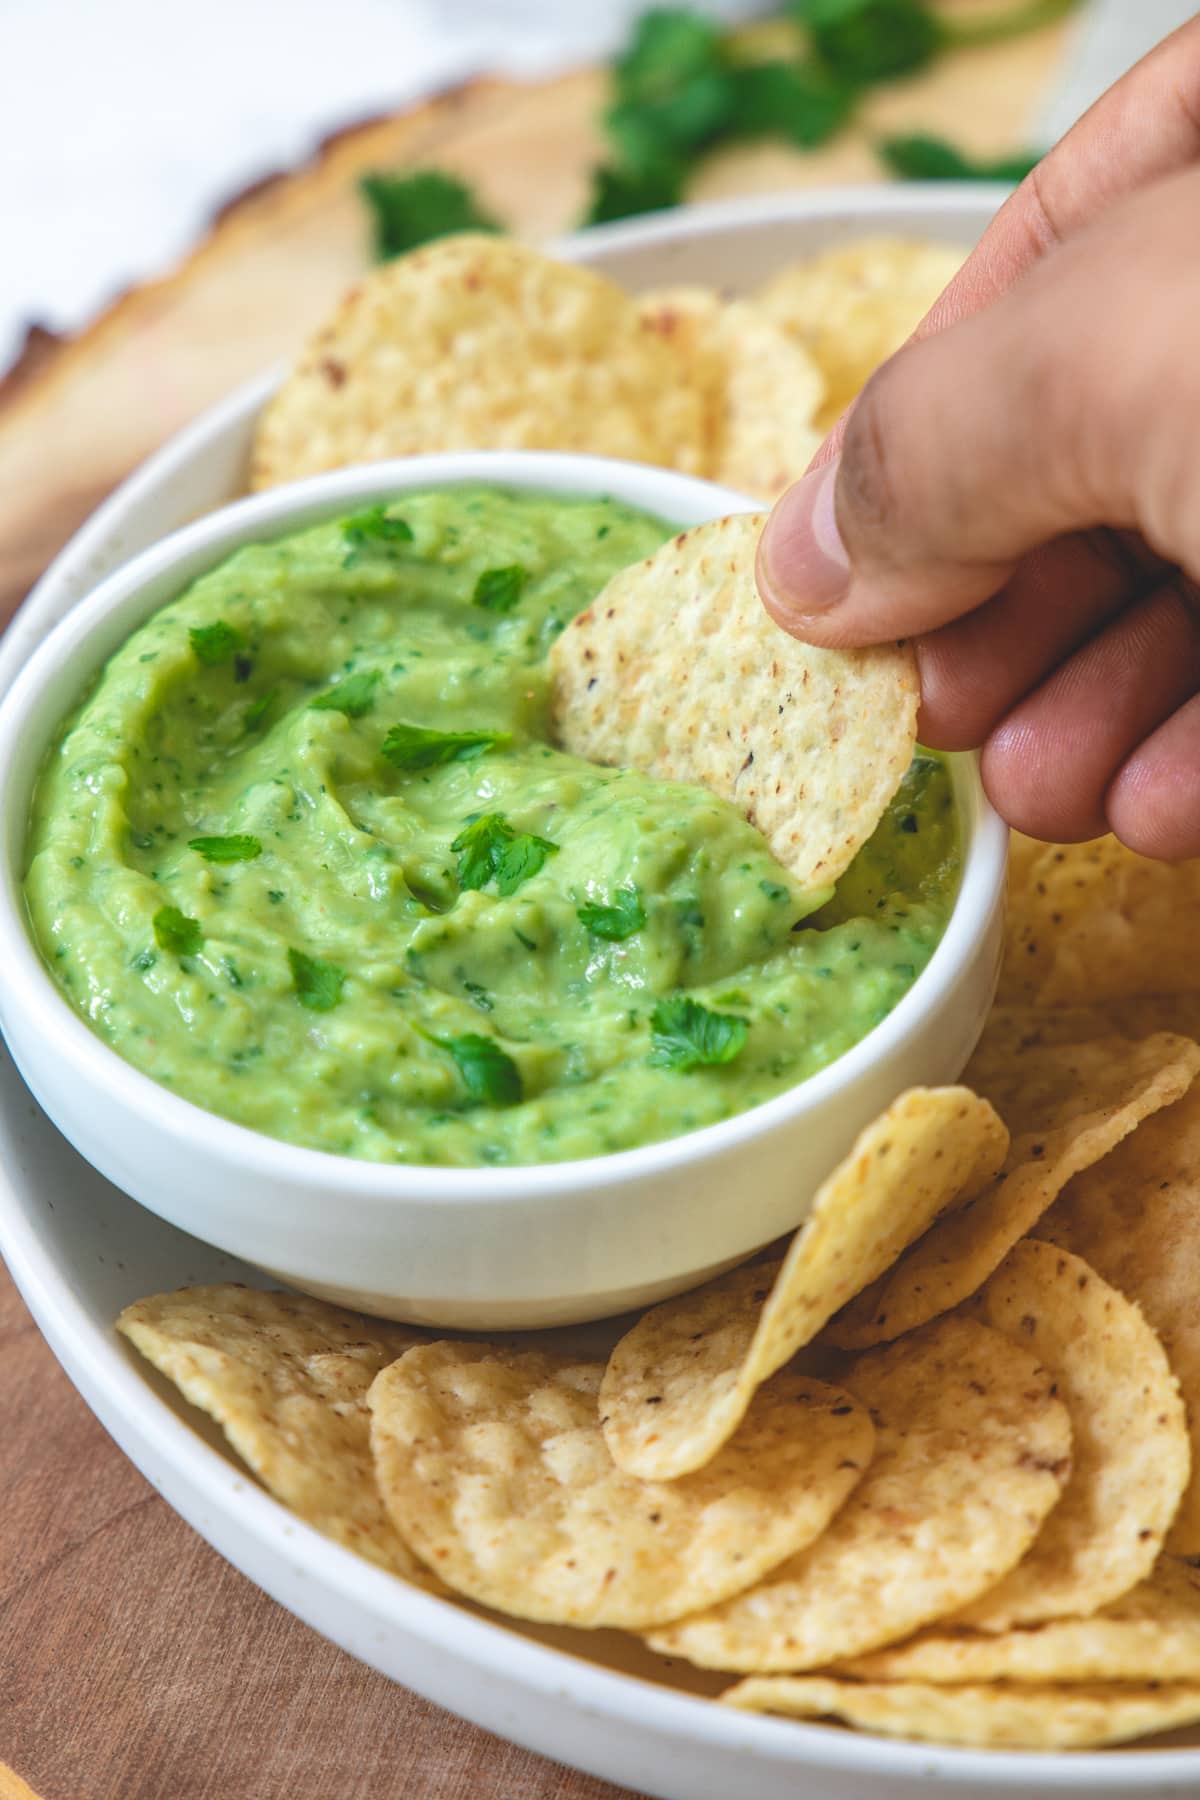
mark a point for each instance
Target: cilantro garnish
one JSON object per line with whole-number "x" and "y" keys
{"x": 173, "y": 930}
{"x": 489, "y": 848}
{"x": 865, "y": 41}
{"x": 407, "y": 210}
{"x": 798, "y": 102}
{"x": 215, "y": 643}
{"x": 257, "y": 711}
{"x": 489, "y": 1074}
{"x": 421, "y": 747}
{"x": 354, "y": 696}
{"x": 919, "y": 158}
{"x": 619, "y": 920}
{"x": 686, "y": 1035}
{"x": 241, "y": 847}
{"x": 318, "y": 984}
{"x": 372, "y": 530}
{"x": 500, "y": 589}
{"x": 619, "y": 194}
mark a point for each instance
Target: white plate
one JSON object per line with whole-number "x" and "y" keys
{"x": 79, "y": 1250}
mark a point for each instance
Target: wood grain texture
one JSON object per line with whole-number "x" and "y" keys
{"x": 82, "y": 414}
{"x": 136, "y": 1665}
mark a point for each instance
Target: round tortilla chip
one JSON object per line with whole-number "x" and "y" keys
{"x": 1136, "y": 1219}
{"x": 1150, "y": 1634}
{"x": 855, "y": 304}
{"x": 677, "y": 670}
{"x": 1130, "y": 1457}
{"x": 480, "y": 343}
{"x": 286, "y": 1379}
{"x": 765, "y": 389}
{"x": 493, "y": 1465}
{"x": 1067, "y": 1107}
{"x": 679, "y": 1382}
{"x": 990, "y": 1718}
{"x": 972, "y": 1451}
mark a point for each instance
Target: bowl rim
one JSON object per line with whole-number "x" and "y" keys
{"x": 29, "y": 988}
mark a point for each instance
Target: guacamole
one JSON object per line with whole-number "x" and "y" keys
{"x": 306, "y": 856}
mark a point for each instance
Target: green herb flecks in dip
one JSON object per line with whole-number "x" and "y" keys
{"x": 306, "y": 856}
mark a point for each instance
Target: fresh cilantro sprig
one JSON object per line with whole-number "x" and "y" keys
{"x": 407, "y": 210}
{"x": 489, "y": 849}
{"x": 686, "y": 1035}
{"x": 174, "y": 930}
{"x": 241, "y": 847}
{"x": 421, "y": 747}
{"x": 318, "y": 984}
{"x": 488, "y": 1073}
{"x": 499, "y": 590}
{"x": 921, "y": 158}
{"x": 354, "y": 696}
{"x": 620, "y": 919}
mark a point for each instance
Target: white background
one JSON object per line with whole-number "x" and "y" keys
{"x": 123, "y": 123}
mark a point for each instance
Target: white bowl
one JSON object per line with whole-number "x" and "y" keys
{"x": 461, "y": 1247}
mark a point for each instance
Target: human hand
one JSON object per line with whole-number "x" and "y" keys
{"x": 1016, "y": 488}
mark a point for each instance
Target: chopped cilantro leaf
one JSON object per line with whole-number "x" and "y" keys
{"x": 421, "y": 747}
{"x": 686, "y": 1035}
{"x": 257, "y": 711}
{"x": 489, "y": 848}
{"x": 215, "y": 643}
{"x": 795, "y": 101}
{"x": 619, "y": 920}
{"x": 407, "y": 210}
{"x": 371, "y": 530}
{"x": 489, "y": 1074}
{"x": 500, "y": 589}
{"x": 919, "y": 158}
{"x": 775, "y": 890}
{"x": 318, "y": 984}
{"x": 354, "y": 696}
{"x": 173, "y": 930}
{"x": 479, "y": 996}
{"x": 241, "y": 847}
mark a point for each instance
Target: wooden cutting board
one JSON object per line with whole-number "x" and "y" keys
{"x": 134, "y": 1663}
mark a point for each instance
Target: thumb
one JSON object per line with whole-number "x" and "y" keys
{"x": 1069, "y": 403}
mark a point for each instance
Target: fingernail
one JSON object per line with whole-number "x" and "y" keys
{"x": 803, "y": 567}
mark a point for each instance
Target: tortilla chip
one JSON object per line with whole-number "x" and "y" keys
{"x": 765, "y": 387}
{"x": 1150, "y": 1634}
{"x": 1066, "y": 1107}
{"x": 286, "y": 1379}
{"x": 972, "y": 1451}
{"x": 1095, "y": 922}
{"x": 1130, "y": 1457}
{"x": 480, "y": 343}
{"x": 677, "y": 670}
{"x": 493, "y": 1465}
{"x": 1136, "y": 1219}
{"x": 855, "y": 304}
{"x": 678, "y": 1384}
{"x": 990, "y": 1718}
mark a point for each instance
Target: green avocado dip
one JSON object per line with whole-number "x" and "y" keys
{"x": 306, "y": 856}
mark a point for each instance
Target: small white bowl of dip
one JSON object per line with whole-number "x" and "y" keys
{"x": 482, "y": 1248}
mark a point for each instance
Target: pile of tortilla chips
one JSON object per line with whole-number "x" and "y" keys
{"x": 927, "y": 1469}
{"x": 481, "y": 343}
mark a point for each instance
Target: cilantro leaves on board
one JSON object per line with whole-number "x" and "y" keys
{"x": 921, "y": 158}
{"x": 408, "y": 210}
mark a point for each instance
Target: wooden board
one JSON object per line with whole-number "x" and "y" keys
{"x": 75, "y": 418}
